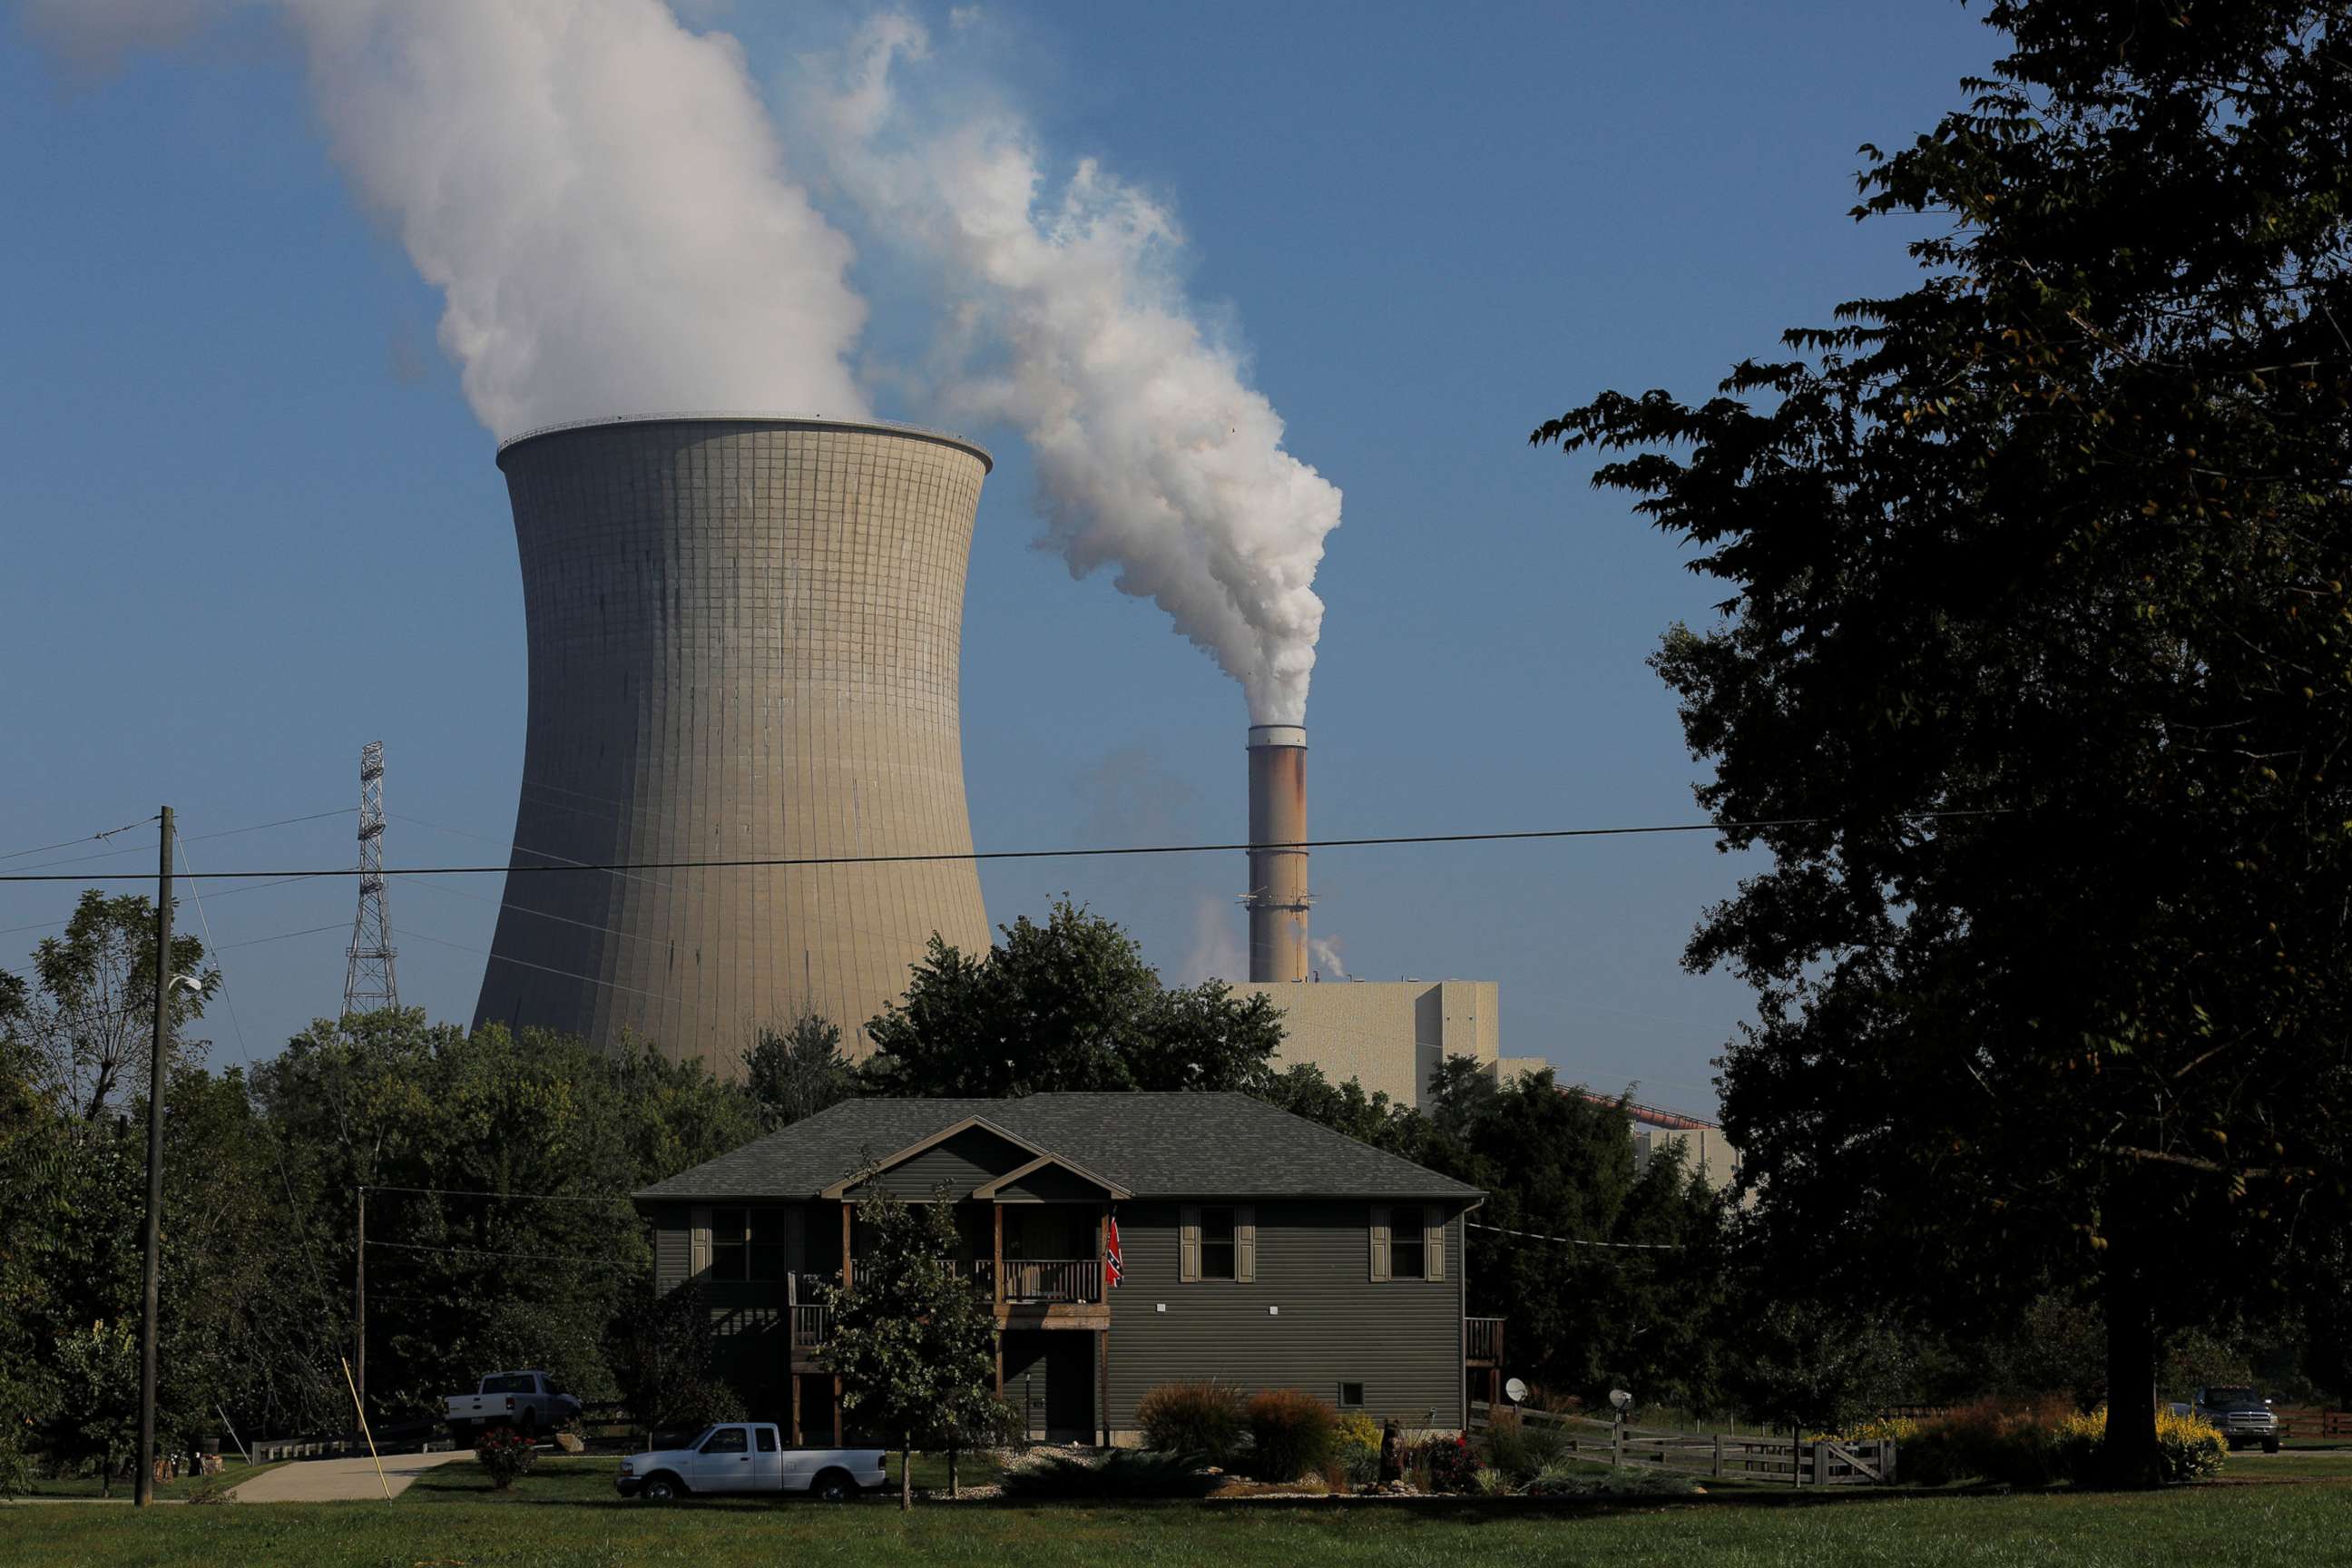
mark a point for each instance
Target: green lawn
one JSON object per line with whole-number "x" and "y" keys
{"x": 566, "y": 1513}
{"x": 233, "y": 1470}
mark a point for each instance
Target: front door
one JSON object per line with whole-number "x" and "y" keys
{"x": 770, "y": 1465}
{"x": 723, "y": 1463}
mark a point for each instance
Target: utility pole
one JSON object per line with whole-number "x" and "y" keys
{"x": 158, "y": 1074}
{"x": 359, "y": 1314}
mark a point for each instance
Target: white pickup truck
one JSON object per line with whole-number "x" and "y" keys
{"x": 750, "y": 1456}
{"x": 529, "y": 1402}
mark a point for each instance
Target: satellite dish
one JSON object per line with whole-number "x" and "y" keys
{"x": 1515, "y": 1392}
{"x": 1620, "y": 1398}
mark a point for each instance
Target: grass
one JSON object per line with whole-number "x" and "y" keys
{"x": 566, "y": 1513}
{"x": 233, "y": 1471}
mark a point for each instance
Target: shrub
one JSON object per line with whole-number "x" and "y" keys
{"x": 1445, "y": 1465}
{"x": 1291, "y": 1433}
{"x": 1519, "y": 1447}
{"x": 1358, "y": 1447}
{"x": 505, "y": 1453}
{"x": 1203, "y": 1418}
{"x": 2191, "y": 1448}
{"x": 1567, "y": 1479}
{"x": 2019, "y": 1444}
{"x": 1121, "y": 1473}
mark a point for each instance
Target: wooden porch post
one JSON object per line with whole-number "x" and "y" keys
{"x": 836, "y": 1412}
{"x": 1000, "y": 1363}
{"x": 845, "y": 1245}
{"x": 997, "y": 1274}
{"x": 1103, "y": 1339}
{"x": 1102, "y": 1245}
{"x": 796, "y": 1410}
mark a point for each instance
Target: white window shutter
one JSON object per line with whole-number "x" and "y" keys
{"x": 698, "y": 1247}
{"x": 1244, "y": 1244}
{"x": 1379, "y": 1242}
{"x": 1188, "y": 1263}
{"x": 1432, "y": 1249}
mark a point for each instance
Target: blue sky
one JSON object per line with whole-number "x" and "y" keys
{"x": 249, "y": 522}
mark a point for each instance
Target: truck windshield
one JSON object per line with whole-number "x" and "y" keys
{"x": 2230, "y": 1398}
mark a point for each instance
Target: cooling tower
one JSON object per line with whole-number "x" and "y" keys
{"x": 744, "y": 643}
{"x": 1277, "y": 897}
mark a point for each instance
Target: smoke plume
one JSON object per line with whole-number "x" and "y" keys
{"x": 598, "y": 193}
{"x": 601, "y": 199}
{"x": 1155, "y": 457}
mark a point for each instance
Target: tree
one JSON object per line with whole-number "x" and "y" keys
{"x": 2033, "y": 680}
{"x": 1067, "y": 1005}
{"x": 795, "y": 1074}
{"x": 93, "y": 1018}
{"x": 99, "y": 1367}
{"x": 912, "y": 1341}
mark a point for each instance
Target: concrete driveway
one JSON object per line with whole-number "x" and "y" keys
{"x": 339, "y": 1480}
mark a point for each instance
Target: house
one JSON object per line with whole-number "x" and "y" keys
{"x": 1258, "y": 1248}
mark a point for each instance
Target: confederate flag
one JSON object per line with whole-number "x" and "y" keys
{"x": 1114, "y": 1268}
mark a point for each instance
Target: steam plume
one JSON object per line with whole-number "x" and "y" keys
{"x": 597, "y": 192}
{"x": 1155, "y": 457}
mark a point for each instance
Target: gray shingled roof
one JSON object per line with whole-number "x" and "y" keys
{"x": 1155, "y": 1145}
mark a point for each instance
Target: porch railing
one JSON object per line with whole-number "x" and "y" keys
{"x": 1031, "y": 1281}
{"x": 1483, "y": 1339}
{"x": 810, "y": 1327}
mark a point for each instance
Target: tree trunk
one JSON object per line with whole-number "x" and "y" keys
{"x": 955, "y": 1491}
{"x": 907, "y": 1473}
{"x": 2129, "y": 1457}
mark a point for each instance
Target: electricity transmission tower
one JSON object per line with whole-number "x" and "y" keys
{"x": 368, "y": 983}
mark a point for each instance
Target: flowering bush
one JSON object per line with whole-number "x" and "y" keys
{"x": 1446, "y": 1464}
{"x": 1357, "y": 1440}
{"x": 505, "y": 1453}
{"x": 2192, "y": 1449}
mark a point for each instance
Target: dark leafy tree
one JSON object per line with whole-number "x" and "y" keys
{"x": 1067, "y": 1005}
{"x": 2034, "y": 682}
{"x": 90, "y": 1018}
{"x": 799, "y": 1072}
{"x": 913, "y": 1342}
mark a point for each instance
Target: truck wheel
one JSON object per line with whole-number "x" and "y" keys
{"x": 528, "y": 1425}
{"x": 461, "y": 1434}
{"x": 659, "y": 1489}
{"x": 2270, "y": 1445}
{"x": 833, "y": 1486}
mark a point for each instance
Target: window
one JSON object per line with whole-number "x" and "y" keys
{"x": 726, "y": 1440}
{"x": 1351, "y": 1396}
{"x": 747, "y": 1244}
{"x": 510, "y": 1383}
{"x": 1408, "y": 1245}
{"x": 1217, "y": 1243}
{"x": 767, "y": 1439}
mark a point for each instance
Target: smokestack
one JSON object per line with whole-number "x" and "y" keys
{"x": 1277, "y": 897}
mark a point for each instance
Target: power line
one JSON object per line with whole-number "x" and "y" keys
{"x": 780, "y": 863}
{"x": 139, "y": 848}
{"x": 494, "y": 1252}
{"x": 87, "y": 839}
{"x": 471, "y": 1192}
{"x": 1571, "y": 1241}
{"x": 205, "y": 921}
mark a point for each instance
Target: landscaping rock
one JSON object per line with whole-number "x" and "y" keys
{"x": 570, "y": 1444}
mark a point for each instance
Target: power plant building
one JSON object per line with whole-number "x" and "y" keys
{"x": 744, "y": 639}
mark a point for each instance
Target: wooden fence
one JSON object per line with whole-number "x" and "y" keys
{"x": 2309, "y": 1423}
{"x": 1722, "y": 1456}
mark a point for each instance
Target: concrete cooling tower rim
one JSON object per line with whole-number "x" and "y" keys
{"x": 769, "y": 421}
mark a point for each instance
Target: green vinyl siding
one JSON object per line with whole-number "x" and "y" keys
{"x": 961, "y": 1163}
{"x": 1401, "y": 1339}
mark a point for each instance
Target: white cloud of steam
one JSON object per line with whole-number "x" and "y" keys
{"x": 597, "y": 192}
{"x": 1155, "y": 458}
{"x": 1217, "y": 953}
{"x": 1325, "y": 951}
